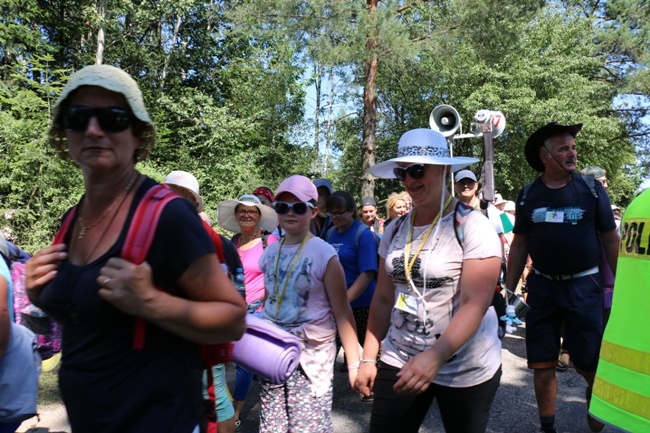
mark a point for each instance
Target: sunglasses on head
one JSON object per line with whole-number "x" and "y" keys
{"x": 110, "y": 119}
{"x": 416, "y": 171}
{"x": 298, "y": 208}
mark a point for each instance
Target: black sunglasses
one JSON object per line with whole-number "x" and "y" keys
{"x": 111, "y": 119}
{"x": 299, "y": 208}
{"x": 336, "y": 214}
{"x": 416, "y": 171}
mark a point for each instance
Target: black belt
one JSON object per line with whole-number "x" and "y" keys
{"x": 567, "y": 277}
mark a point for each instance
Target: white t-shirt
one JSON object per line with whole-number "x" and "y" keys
{"x": 494, "y": 215}
{"x": 409, "y": 334}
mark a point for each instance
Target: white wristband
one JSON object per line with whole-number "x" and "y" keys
{"x": 354, "y": 366}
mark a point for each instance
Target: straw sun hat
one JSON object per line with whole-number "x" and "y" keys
{"x": 227, "y": 218}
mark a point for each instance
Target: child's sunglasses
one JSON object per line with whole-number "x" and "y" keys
{"x": 299, "y": 208}
{"x": 416, "y": 171}
{"x": 110, "y": 119}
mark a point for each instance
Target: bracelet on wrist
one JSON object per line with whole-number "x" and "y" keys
{"x": 366, "y": 361}
{"x": 354, "y": 366}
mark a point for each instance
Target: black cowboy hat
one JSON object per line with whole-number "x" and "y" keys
{"x": 537, "y": 139}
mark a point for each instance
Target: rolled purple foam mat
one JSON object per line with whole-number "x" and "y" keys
{"x": 267, "y": 350}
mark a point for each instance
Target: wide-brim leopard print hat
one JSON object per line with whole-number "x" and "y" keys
{"x": 113, "y": 79}
{"x": 421, "y": 146}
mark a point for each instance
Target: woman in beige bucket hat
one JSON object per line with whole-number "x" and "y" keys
{"x": 108, "y": 381}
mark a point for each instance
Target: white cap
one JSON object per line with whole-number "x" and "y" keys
{"x": 187, "y": 181}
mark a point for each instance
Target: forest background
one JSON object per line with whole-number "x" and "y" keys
{"x": 244, "y": 93}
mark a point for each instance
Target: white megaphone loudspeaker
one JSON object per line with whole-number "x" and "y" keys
{"x": 494, "y": 120}
{"x": 445, "y": 119}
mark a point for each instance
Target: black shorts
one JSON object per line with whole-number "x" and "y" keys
{"x": 576, "y": 303}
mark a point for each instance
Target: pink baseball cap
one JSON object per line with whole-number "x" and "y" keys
{"x": 300, "y": 186}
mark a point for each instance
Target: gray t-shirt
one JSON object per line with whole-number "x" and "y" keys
{"x": 439, "y": 269}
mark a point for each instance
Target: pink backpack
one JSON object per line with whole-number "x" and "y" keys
{"x": 48, "y": 332}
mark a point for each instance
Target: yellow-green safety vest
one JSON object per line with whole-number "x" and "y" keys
{"x": 621, "y": 394}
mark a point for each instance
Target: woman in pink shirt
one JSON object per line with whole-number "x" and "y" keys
{"x": 252, "y": 221}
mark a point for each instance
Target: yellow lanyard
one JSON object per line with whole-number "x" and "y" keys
{"x": 408, "y": 264}
{"x": 279, "y": 297}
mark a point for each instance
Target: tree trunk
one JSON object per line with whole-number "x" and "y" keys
{"x": 318, "y": 85}
{"x": 369, "y": 109}
{"x": 101, "y": 37}
{"x": 177, "y": 26}
{"x": 330, "y": 121}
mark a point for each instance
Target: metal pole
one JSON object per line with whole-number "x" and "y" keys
{"x": 450, "y": 142}
{"x": 488, "y": 167}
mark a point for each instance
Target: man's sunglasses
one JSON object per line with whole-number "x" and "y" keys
{"x": 110, "y": 119}
{"x": 298, "y": 208}
{"x": 416, "y": 171}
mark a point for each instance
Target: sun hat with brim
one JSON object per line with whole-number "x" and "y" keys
{"x": 113, "y": 79}
{"x": 421, "y": 146}
{"x": 498, "y": 199}
{"x": 537, "y": 139}
{"x": 188, "y": 182}
{"x": 227, "y": 219}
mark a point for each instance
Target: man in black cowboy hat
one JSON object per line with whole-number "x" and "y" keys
{"x": 561, "y": 221}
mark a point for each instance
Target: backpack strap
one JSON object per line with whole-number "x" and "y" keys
{"x": 461, "y": 214}
{"x": 329, "y": 233}
{"x": 362, "y": 227}
{"x": 524, "y": 193}
{"x": 59, "y": 237}
{"x": 144, "y": 223}
{"x": 398, "y": 222}
{"x": 483, "y": 204}
{"x": 140, "y": 236}
{"x": 215, "y": 237}
{"x": 218, "y": 245}
{"x": 590, "y": 181}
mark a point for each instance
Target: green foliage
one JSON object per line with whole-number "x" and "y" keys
{"x": 224, "y": 108}
{"x": 534, "y": 64}
{"x": 36, "y": 187}
{"x": 225, "y": 84}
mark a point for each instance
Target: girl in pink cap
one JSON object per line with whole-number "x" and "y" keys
{"x": 306, "y": 296}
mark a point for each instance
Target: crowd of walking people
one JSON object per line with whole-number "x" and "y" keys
{"x": 413, "y": 295}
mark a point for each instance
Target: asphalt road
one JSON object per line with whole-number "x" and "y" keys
{"x": 514, "y": 409}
